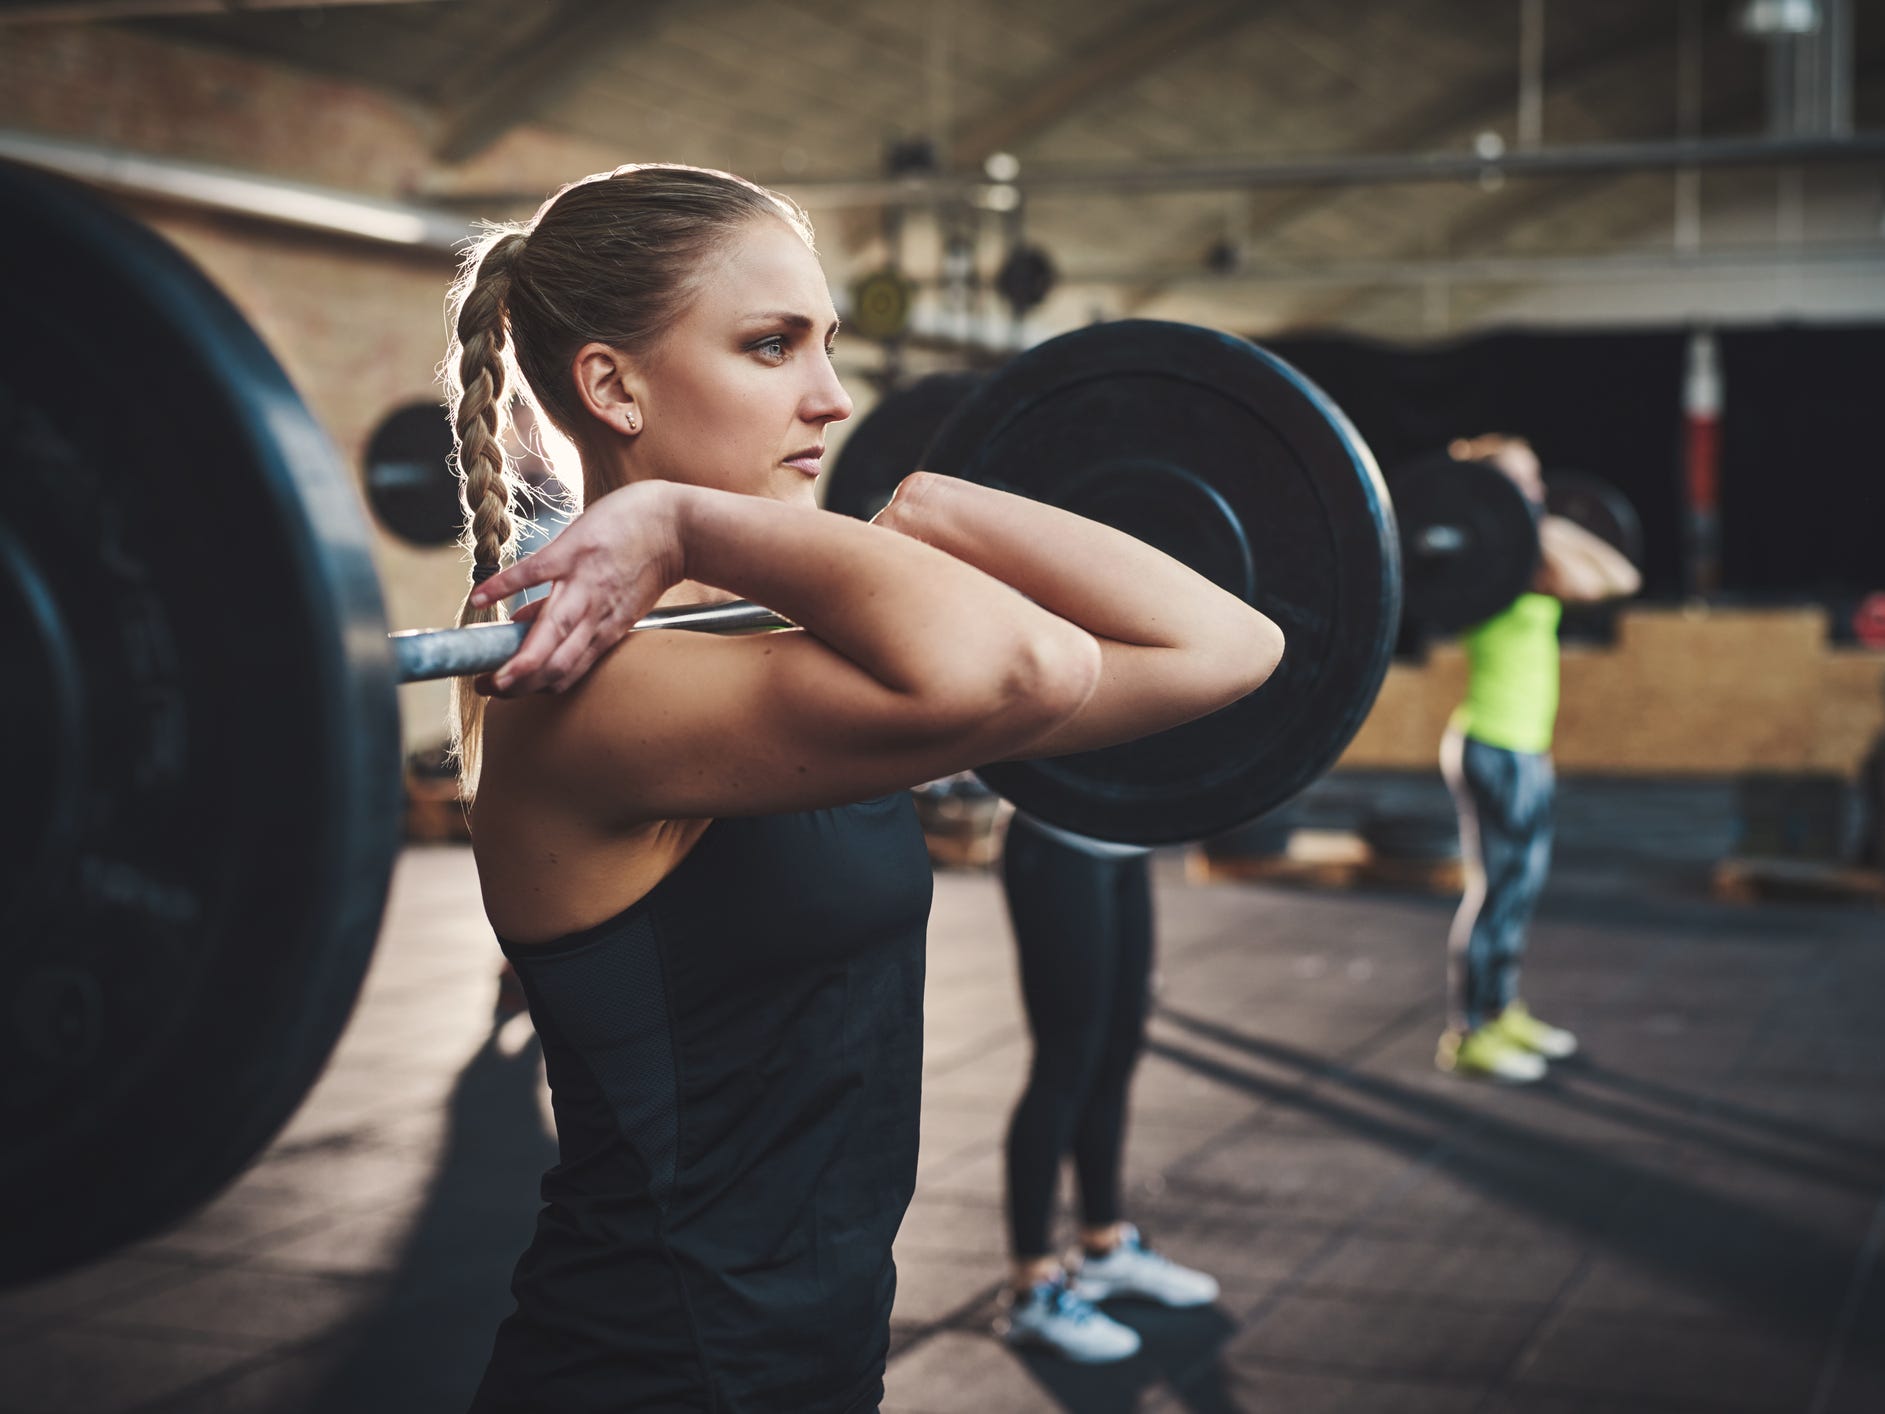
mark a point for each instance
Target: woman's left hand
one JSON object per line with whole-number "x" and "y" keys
{"x": 606, "y": 570}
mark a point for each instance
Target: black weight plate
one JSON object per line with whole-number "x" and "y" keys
{"x": 1469, "y": 541}
{"x": 409, "y": 478}
{"x": 888, "y": 444}
{"x": 1221, "y": 454}
{"x": 1599, "y": 507}
{"x": 1026, "y": 278}
{"x": 204, "y": 664}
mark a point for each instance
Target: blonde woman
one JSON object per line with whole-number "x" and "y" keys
{"x": 698, "y": 851}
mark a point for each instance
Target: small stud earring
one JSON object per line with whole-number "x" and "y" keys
{"x": 634, "y": 423}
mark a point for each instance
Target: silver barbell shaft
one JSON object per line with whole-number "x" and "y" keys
{"x": 420, "y": 655}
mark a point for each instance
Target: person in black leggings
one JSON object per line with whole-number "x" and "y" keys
{"x": 1082, "y": 916}
{"x": 699, "y": 851}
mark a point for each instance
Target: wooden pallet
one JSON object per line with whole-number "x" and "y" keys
{"x": 963, "y": 833}
{"x": 976, "y": 848}
{"x": 1327, "y": 859}
{"x": 1759, "y": 880}
{"x": 1446, "y": 877}
{"x": 434, "y": 813}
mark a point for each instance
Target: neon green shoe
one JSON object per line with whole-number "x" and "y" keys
{"x": 1517, "y": 1024}
{"x": 1486, "y": 1054}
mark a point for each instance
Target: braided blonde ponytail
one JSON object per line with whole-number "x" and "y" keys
{"x": 476, "y": 378}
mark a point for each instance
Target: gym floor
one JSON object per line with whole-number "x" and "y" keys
{"x": 1688, "y": 1220}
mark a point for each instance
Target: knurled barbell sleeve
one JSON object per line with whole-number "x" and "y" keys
{"x": 420, "y": 655}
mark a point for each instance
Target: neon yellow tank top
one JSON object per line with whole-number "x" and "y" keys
{"x": 1512, "y": 680}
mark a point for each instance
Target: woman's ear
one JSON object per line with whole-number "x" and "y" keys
{"x": 605, "y": 381}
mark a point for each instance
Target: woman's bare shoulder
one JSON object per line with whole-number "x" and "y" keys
{"x": 547, "y": 869}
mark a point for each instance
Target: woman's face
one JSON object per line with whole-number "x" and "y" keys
{"x": 739, "y": 392}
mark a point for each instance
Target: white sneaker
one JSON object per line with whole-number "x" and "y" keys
{"x": 1133, "y": 1269}
{"x": 1054, "y": 1317}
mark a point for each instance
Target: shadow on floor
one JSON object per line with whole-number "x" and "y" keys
{"x": 1763, "y": 1139}
{"x": 1180, "y": 1349}
{"x": 422, "y": 1347}
{"x": 1728, "y": 1112}
{"x": 1725, "y": 1239}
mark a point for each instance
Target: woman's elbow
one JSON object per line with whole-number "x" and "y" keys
{"x": 1012, "y": 691}
{"x": 1265, "y": 651}
{"x": 1054, "y": 673}
{"x": 1044, "y": 679}
{"x": 1248, "y": 654}
{"x": 1243, "y": 653}
{"x": 1229, "y": 664}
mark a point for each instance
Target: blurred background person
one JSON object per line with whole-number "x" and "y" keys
{"x": 1496, "y": 756}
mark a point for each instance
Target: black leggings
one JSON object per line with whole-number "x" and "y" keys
{"x": 1083, "y": 928}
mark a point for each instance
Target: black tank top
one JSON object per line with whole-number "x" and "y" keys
{"x": 735, "y": 1064}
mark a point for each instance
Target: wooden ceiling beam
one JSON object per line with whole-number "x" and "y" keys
{"x": 1149, "y": 38}
{"x": 83, "y": 11}
{"x": 572, "y": 40}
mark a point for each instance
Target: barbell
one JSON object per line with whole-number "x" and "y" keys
{"x": 1469, "y": 541}
{"x": 204, "y": 768}
{"x": 1221, "y": 454}
{"x": 1469, "y": 535}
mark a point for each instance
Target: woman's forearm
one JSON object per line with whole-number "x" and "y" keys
{"x": 1112, "y": 585}
{"x": 1173, "y": 646}
{"x": 1581, "y": 567}
{"x": 908, "y": 613}
{"x": 920, "y": 622}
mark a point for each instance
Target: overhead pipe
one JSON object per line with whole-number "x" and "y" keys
{"x": 1861, "y": 258}
{"x": 1358, "y": 169}
{"x": 242, "y": 193}
{"x": 435, "y": 228}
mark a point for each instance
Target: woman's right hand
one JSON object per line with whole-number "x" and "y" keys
{"x": 1579, "y": 567}
{"x": 606, "y": 570}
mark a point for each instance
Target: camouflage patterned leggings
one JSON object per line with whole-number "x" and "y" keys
{"x": 1504, "y": 801}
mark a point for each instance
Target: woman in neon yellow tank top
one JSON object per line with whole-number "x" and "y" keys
{"x": 1496, "y": 757}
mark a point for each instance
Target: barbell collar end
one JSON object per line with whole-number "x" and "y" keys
{"x": 421, "y": 655}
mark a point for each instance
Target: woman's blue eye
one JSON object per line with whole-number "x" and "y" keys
{"x": 774, "y": 345}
